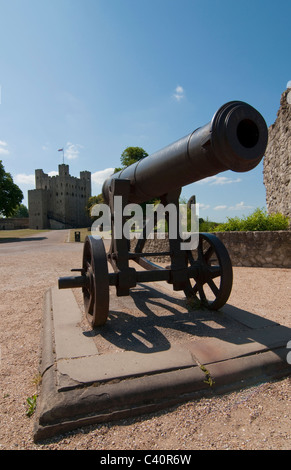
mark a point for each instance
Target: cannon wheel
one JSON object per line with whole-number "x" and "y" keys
{"x": 213, "y": 283}
{"x": 96, "y": 292}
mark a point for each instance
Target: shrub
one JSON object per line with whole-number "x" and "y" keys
{"x": 206, "y": 225}
{"x": 258, "y": 220}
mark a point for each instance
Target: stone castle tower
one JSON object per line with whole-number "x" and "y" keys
{"x": 59, "y": 201}
{"x": 277, "y": 161}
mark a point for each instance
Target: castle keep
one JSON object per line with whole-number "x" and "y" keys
{"x": 59, "y": 201}
{"x": 277, "y": 161}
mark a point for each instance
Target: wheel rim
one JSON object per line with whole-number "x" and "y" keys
{"x": 213, "y": 283}
{"x": 96, "y": 293}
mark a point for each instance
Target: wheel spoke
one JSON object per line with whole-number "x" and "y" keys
{"x": 214, "y": 288}
{"x": 214, "y": 271}
{"x": 200, "y": 252}
{"x": 212, "y": 262}
{"x": 202, "y": 293}
{"x": 208, "y": 253}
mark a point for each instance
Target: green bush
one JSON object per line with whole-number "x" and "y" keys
{"x": 207, "y": 225}
{"x": 259, "y": 220}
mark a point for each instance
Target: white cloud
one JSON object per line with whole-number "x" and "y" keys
{"x": 3, "y": 148}
{"x": 220, "y": 208}
{"x": 240, "y": 206}
{"x": 100, "y": 176}
{"x": 203, "y": 207}
{"x": 53, "y": 173}
{"x": 22, "y": 178}
{"x": 218, "y": 180}
{"x": 179, "y": 93}
{"x": 72, "y": 151}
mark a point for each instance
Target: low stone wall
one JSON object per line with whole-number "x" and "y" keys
{"x": 14, "y": 223}
{"x": 253, "y": 249}
{"x": 258, "y": 249}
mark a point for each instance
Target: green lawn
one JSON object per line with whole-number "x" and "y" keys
{"x": 83, "y": 233}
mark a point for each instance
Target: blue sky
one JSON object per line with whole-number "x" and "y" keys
{"x": 97, "y": 76}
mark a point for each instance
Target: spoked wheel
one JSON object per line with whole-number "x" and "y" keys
{"x": 212, "y": 285}
{"x": 96, "y": 292}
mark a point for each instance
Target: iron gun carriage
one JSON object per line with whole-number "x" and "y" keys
{"x": 235, "y": 139}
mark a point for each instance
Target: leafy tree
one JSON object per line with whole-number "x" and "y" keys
{"x": 92, "y": 201}
{"x": 131, "y": 155}
{"x": 10, "y": 194}
{"x": 21, "y": 211}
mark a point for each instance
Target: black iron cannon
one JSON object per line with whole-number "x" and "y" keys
{"x": 235, "y": 139}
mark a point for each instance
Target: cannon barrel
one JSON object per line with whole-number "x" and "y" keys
{"x": 235, "y": 139}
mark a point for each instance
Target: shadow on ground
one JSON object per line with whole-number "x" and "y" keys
{"x": 154, "y": 320}
{"x": 15, "y": 239}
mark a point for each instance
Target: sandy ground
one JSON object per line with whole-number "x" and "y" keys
{"x": 253, "y": 418}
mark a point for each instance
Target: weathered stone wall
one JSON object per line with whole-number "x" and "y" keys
{"x": 258, "y": 249}
{"x": 14, "y": 223}
{"x": 277, "y": 161}
{"x": 254, "y": 249}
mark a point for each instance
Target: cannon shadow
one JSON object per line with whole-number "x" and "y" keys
{"x": 155, "y": 321}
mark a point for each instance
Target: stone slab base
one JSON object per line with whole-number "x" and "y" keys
{"x": 80, "y": 386}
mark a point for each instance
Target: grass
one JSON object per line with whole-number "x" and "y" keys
{"x": 83, "y": 233}
{"x": 31, "y": 405}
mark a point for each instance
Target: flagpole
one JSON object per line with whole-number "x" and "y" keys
{"x": 62, "y": 150}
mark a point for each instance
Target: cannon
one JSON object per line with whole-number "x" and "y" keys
{"x": 235, "y": 139}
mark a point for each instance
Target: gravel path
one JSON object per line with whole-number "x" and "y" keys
{"x": 254, "y": 418}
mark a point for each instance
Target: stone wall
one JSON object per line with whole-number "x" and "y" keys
{"x": 277, "y": 161}
{"x": 253, "y": 249}
{"x": 258, "y": 249}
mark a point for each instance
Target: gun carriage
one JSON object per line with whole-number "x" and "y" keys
{"x": 235, "y": 139}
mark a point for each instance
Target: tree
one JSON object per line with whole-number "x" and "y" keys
{"x": 21, "y": 211}
{"x": 91, "y": 202}
{"x": 10, "y": 194}
{"x": 131, "y": 155}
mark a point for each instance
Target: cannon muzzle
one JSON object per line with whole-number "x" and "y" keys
{"x": 235, "y": 139}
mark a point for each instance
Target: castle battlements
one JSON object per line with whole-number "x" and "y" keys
{"x": 59, "y": 201}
